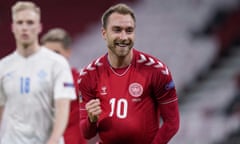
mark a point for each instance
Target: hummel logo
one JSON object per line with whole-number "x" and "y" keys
{"x": 103, "y": 90}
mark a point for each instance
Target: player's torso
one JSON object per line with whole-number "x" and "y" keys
{"x": 129, "y": 114}
{"x": 27, "y": 83}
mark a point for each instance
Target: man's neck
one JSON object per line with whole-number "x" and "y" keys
{"x": 120, "y": 62}
{"x": 27, "y": 50}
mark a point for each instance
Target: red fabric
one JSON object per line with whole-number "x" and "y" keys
{"x": 132, "y": 103}
{"x": 73, "y": 134}
{"x": 170, "y": 116}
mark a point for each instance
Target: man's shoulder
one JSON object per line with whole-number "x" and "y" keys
{"x": 94, "y": 67}
{"x": 147, "y": 60}
{"x": 8, "y": 58}
{"x": 51, "y": 56}
{"x": 150, "y": 64}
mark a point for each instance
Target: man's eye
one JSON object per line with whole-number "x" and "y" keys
{"x": 19, "y": 22}
{"x": 30, "y": 22}
{"x": 129, "y": 30}
{"x": 116, "y": 30}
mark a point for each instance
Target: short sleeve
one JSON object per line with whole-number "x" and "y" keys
{"x": 2, "y": 95}
{"x": 63, "y": 81}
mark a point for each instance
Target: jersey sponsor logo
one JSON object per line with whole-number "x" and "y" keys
{"x": 135, "y": 89}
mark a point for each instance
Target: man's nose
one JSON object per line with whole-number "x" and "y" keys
{"x": 24, "y": 26}
{"x": 123, "y": 35}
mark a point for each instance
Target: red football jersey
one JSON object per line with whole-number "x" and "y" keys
{"x": 130, "y": 100}
{"x": 72, "y": 134}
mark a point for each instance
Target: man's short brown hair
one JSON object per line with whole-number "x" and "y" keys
{"x": 57, "y": 35}
{"x": 118, "y": 8}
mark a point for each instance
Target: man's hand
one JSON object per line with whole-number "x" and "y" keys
{"x": 94, "y": 110}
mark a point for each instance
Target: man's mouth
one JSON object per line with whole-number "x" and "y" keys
{"x": 122, "y": 44}
{"x": 25, "y": 36}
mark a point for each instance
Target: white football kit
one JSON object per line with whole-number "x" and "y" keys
{"x": 28, "y": 88}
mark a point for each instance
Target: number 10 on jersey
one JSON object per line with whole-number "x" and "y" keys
{"x": 118, "y": 107}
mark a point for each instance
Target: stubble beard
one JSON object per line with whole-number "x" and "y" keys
{"x": 113, "y": 48}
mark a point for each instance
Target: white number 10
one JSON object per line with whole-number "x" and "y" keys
{"x": 121, "y": 106}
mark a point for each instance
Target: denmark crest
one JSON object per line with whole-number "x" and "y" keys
{"x": 135, "y": 89}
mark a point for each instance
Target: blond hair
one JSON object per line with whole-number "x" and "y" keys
{"x": 23, "y": 5}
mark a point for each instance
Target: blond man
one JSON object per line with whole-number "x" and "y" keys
{"x": 36, "y": 85}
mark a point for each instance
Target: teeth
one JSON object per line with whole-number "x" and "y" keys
{"x": 121, "y": 45}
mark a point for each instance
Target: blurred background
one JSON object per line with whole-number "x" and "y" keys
{"x": 199, "y": 40}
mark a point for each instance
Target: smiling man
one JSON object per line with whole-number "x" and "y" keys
{"x": 125, "y": 92}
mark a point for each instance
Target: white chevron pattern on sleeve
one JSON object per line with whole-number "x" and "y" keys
{"x": 97, "y": 63}
{"x": 159, "y": 65}
{"x": 91, "y": 67}
{"x": 82, "y": 72}
{"x": 151, "y": 62}
{"x": 166, "y": 72}
{"x": 142, "y": 59}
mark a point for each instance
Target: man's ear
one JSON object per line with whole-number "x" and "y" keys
{"x": 12, "y": 29}
{"x": 40, "y": 28}
{"x": 103, "y": 33}
{"x": 68, "y": 53}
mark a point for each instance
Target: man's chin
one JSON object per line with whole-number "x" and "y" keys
{"x": 123, "y": 53}
{"x": 25, "y": 45}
